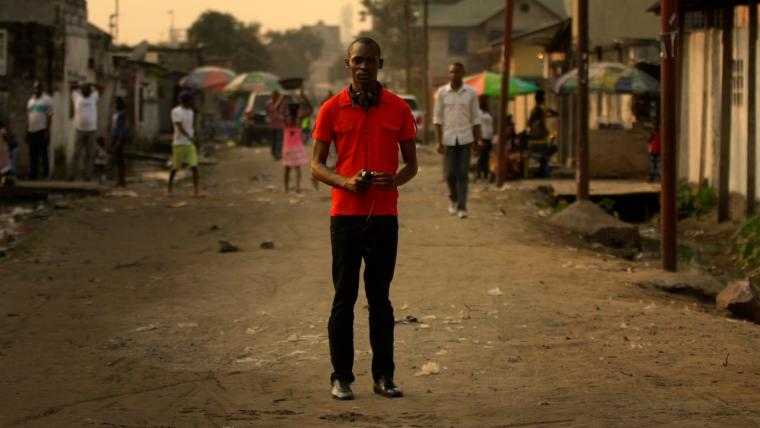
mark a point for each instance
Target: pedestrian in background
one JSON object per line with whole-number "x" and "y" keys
{"x": 39, "y": 114}
{"x": 368, "y": 125}
{"x": 9, "y": 139}
{"x": 276, "y": 119}
{"x": 457, "y": 127}
{"x": 486, "y": 129}
{"x": 184, "y": 152}
{"x": 119, "y": 136}
{"x": 84, "y": 108}
{"x": 101, "y": 159}
{"x": 655, "y": 150}
{"x": 294, "y": 154}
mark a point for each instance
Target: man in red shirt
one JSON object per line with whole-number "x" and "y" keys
{"x": 368, "y": 124}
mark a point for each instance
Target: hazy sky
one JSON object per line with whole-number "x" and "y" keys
{"x": 149, "y": 19}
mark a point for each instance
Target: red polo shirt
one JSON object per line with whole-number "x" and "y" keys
{"x": 365, "y": 140}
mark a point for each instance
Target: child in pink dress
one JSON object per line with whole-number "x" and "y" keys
{"x": 294, "y": 154}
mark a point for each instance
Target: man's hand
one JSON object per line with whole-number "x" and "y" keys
{"x": 357, "y": 184}
{"x": 384, "y": 180}
{"x": 439, "y": 148}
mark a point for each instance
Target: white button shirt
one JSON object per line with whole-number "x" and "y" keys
{"x": 457, "y": 111}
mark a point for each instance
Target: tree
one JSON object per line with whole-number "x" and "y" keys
{"x": 293, "y": 51}
{"x": 229, "y": 41}
{"x": 338, "y": 71}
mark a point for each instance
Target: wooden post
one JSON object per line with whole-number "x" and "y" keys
{"x": 751, "y": 111}
{"x": 668, "y": 99}
{"x": 724, "y": 191}
{"x": 504, "y": 96}
{"x": 582, "y": 172}
{"x": 426, "y": 72}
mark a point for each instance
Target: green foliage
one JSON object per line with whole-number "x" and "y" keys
{"x": 224, "y": 37}
{"x": 338, "y": 71}
{"x": 387, "y": 18}
{"x": 690, "y": 202}
{"x": 747, "y": 247}
{"x": 293, "y": 51}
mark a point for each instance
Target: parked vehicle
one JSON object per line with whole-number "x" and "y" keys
{"x": 256, "y": 125}
{"x": 419, "y": 116}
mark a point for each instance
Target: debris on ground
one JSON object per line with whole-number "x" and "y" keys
{"x": 227, "y": 247}
{"x": 741, "y": 298}
{"x": 408, "y": 320}
{"x": 429, "y": 368}
{"x": 495, "y": 292}
{"x": 591, "y": 221}
{"x": 121, "y": 193}
{"x": 267, "y": 245}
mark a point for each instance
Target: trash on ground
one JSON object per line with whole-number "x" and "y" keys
{"x": 149, "y": 327}
{"x": 429, "y": 368}
{"x": 226, "y": 247}
{"x": 187, "y": 324}
{"x": 121, "y": 194}
{"x": 267, "y": 245}
{"x": 178, "y": 204}
{"x": 408, "y": 320}
{"x": 494, "y": 292}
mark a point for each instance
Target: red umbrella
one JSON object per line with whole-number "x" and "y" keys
{"x": 209, "y": 77}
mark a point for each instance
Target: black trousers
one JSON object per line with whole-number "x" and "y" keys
{"x": 375, "y": 240}
{"x": 38, "y": 152}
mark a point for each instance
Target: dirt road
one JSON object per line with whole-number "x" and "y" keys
{"x": 121, "y": 312}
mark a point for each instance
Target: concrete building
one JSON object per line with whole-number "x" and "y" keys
{"x": 52, "y": 41}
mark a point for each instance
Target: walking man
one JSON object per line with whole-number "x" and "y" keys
{"x": 368, "y": 124}
{"x": 457, "y": 126}
{"x": 84, "y": 107}
{"x": 39, "y": 111}
{"x": 184, "y": 152}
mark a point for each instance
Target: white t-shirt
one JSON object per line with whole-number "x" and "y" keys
{"x": 85, "y": 111}
{"x": 39, "y": 109}
{"x": 486, "y": 125}
{"x": 185, "y": 117}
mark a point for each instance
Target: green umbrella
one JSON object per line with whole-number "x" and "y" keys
{"x": 487, "y": 83}
{"x": 253, "y": 81}
{"x": 610, "y": 78}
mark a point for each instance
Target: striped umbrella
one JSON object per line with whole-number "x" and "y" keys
{"x": 208, "y": 77}
{"x": 487, "y": 83}
{"x": 610, "y": 78}
{"x": 253, "y": 81}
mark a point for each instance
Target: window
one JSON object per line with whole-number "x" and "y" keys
{"x": 737, "y": 83}
{"x": 458, "y": 42}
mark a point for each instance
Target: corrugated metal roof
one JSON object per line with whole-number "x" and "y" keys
{"x": 470, "y": 13}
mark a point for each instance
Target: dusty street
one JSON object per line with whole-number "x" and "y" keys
{"x": 121, "y": 312}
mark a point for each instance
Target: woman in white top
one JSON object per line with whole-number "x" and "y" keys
{"x": 486, "y": 130}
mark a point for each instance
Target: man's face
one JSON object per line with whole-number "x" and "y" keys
{"x": 364, "y": 61}
{"x": 86, "y": 89}
{"x": 455, "y": 74}
{"x": 37, "y": 87}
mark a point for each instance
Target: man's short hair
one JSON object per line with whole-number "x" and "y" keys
{"x": 458, "y": 64}
{"x": 365, "y": 41}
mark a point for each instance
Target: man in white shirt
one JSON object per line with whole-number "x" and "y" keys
{"x": 457, "y": 126}
{"x": 84, "y": 108}
{"x": 183, "y": 142}
{"x": 39, "y": 112}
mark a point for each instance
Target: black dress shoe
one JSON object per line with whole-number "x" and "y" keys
{"x": 387, "y": 388}
{"x": 341, "y": 390}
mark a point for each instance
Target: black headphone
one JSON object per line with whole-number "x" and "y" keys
{"x": 365, "y": 99}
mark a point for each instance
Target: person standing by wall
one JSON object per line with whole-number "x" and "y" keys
{"x": 39, "y": 113}
{"x": 457, "y": 126}
{"x": 368, "y": 125}
{"x": 486, "y": 125}
{"x": 84, "y": 109}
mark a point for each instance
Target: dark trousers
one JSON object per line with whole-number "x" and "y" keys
{"x": 483, "y": 159}
{"x": 457, "y": 167}
{"x": 277, "y": 136}
{"x": 38, "y": 152}
{"x": 374, "y": 239}
{"x": 121, "y": 165}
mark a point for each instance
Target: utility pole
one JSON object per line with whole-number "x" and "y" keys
{"x": 408, "y": 44}
{"x": 504, "y": 96}
{"x": 426, "y": 72}
{"x": 724, "y": 192}
{"x": 113, "y": 24}
{"x": 668, "y": 93}
{"x": 751, "y": 106}
{"x": 582, "y": 171}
